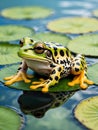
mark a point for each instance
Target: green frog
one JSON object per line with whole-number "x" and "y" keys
{"x": 52, "y": 60}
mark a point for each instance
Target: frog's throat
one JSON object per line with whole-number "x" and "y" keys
{"x": 39, "y": 66}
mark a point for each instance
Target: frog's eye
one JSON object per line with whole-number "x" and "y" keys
{"x": 21, "y": 43}
{"x": 39, "y": 48}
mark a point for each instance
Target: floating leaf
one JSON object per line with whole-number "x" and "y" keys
{"x": 93, "y": 73}
{"x": 13, "y": 32}
{"x": 86, "y": 44}
{"x": 75, "y": 25}
{"x": 51, "y": 37}
{"x": 87, "y": 112}
{"x": 9, "y": 119}
{"x": 11, "y": 70}
{"x": 8, "y": 53}
{"x": 95, "y": 13}
{"x": 26, "y": 12}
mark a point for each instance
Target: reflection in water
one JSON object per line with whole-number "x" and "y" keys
{"x": 37, "y": 103}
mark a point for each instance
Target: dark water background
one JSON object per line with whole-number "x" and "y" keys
{"x": 59, "y": 118}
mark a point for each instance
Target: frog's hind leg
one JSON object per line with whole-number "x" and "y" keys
{"x": 82, "y": 80}
{"x": 19, "y": 76}
{"x": 79, "y": 69}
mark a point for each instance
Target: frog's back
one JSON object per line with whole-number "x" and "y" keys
{"x": 61, "y": 55}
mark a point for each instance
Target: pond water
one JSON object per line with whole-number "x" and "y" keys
{"x": 41, "y": 115}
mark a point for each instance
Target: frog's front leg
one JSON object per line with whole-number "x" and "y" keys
{"x": 19, "y": 76}
{"x": 79, "y": 69}
{"x": 52, "y": 80}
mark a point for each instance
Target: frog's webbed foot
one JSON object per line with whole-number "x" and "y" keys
{"x": 51, "y": 81}
{"x": 20, "y": 76}
{"x": 82, "y": 80}
{"x": 40, "y": 84}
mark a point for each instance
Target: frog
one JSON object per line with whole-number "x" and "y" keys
{"x": 51, "y": 59}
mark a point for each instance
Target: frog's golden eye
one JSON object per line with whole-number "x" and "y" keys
{"x": 39, "y": 48}
{"x": 21, "y": 43}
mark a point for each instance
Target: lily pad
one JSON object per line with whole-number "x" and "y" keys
{"x": 26, "y": 12}
{"x": 11, "y": 70}
{"x": 9, "y": 119}
{"x": 93, "y": 73}
{"x": 8, "y": 53}
{"x": 52, "y": 37}
{"x": 86, "y": 44}
{"x": 75, "y": 25}
{"x": 95, "y": 13}
{"x": 87, "y": 112}
{"x": 13, "y": 32}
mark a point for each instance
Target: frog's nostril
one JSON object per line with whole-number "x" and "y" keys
{"x": 25, "y": 50}
{"x": 21, "y": 43}
{"x": 31, "y": 40}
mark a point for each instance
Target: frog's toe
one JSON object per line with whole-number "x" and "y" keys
{"x": 8, "y": 83}
{"x": 40, "y": 84}
{"x": 45, "y": 89}
{"x": 36, "y": 82}
{"x": 71, "y": 83}
{"x": 83, "y": 86}
{"x": 88, "y": 81}
{"x": 8, "y": 78}
{"x": 75, "y": 81}
{"x": 11, "y": 80}
{"x": 33, "y": 87}
{"x": 27, "y": 81}
{"x": 18, "y": 77}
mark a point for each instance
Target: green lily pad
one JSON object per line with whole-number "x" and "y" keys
{"x": 11, "y": 70}
{"x": 26, "y": 12}
{"x": 87, "y": 112}
{"x": 93, "y": 73}
{"x": 8, "y": 53}
{"x": 75, "y": 25}
{"x": 13, "y": 32}
{"x": 52, "y": 37}
{"x": 86, "y": 44}
{"x": 9, "y": 119}
{"x": 95, "y": 13}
